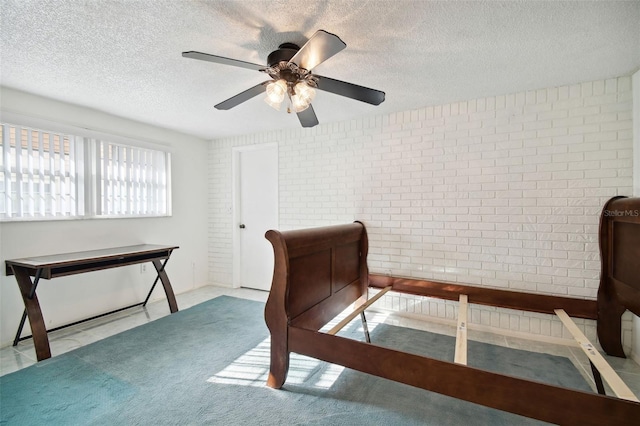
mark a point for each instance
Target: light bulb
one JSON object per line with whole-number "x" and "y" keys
{"x": 299, "y": 103}
{"x": 274, "y": 105}
{"x": 276, "y": 90}
{"x": 275, "y": 93}
{"x": 306, "y": 92}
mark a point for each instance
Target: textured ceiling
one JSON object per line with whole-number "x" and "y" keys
{"x": 124, "y": 56}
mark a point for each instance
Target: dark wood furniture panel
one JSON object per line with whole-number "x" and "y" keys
{"x": 619, "y": 288}
{"x": 59, "y": 265}
{"x": 310, "y": 284}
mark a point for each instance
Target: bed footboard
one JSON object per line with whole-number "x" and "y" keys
{"x": 318, "y": 273}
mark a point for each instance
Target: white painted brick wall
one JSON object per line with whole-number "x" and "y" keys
{"x": 502, "y": 192}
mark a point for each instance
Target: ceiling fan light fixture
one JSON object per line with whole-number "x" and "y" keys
{"x": 290, "y": 76}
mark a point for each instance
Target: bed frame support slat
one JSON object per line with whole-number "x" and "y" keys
{"x": 461, "y": 333}
{"x": 601, "y": 365}
{"x": 357, "y": 311}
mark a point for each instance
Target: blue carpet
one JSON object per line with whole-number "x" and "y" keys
{"x": 208, "y": 365}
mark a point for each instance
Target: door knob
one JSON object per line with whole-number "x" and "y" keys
{"x": 242, "y": 226}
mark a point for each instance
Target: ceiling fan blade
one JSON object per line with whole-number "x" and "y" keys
{"x": 308, "y": 117}
{"x": 221, "y": 60}
{"x": 320, "y": 47}
{"x": 353, "y": 91}
{"x": 242, "y": 97}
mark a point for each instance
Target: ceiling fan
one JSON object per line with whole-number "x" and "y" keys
{"x": 290, "y": 69}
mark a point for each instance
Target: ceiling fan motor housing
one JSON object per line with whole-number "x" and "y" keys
{"x": 285, "y": 52}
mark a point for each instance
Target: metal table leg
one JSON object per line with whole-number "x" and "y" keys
{"x": 598, "y": 379}
{"x": 365, "y": 327}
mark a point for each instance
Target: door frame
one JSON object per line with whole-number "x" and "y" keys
{"x": 236, "y": 152}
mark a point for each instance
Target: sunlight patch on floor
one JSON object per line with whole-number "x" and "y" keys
{"x": 252, "y": 367}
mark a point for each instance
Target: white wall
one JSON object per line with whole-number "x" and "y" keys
{"x": 636, "y": 190}
{"x": 501, "y": 192}
{"x": 71, "y": 298}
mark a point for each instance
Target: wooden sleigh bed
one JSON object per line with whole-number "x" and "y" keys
{"x": 319, "y": 272}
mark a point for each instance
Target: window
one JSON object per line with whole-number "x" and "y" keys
{"x": 132, "y": 181}
{"x": 49, "y": 175}
{"x": 39, "y": 174}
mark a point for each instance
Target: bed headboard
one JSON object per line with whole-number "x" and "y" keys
{"x": 620, "y": 277}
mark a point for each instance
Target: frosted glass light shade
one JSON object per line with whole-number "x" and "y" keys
{"x": 275, "y": 93}
{"x": 299, "y": 103}
{"x": 272, "y": 104}
{"x": 305, "y": 91}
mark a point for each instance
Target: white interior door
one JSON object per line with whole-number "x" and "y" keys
{"x": 258, "y": 212}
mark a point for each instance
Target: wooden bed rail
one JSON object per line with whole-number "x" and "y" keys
{"x": 577, "y": 308}
{"x": 520, "y": 396}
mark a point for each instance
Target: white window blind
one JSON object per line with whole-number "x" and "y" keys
{"x": 40, "y": 175}
{"x": 52, "y": 175}
{"x": 132, "y": 180}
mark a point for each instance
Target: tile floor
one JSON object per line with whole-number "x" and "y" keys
{"x": 15, "y": 358}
